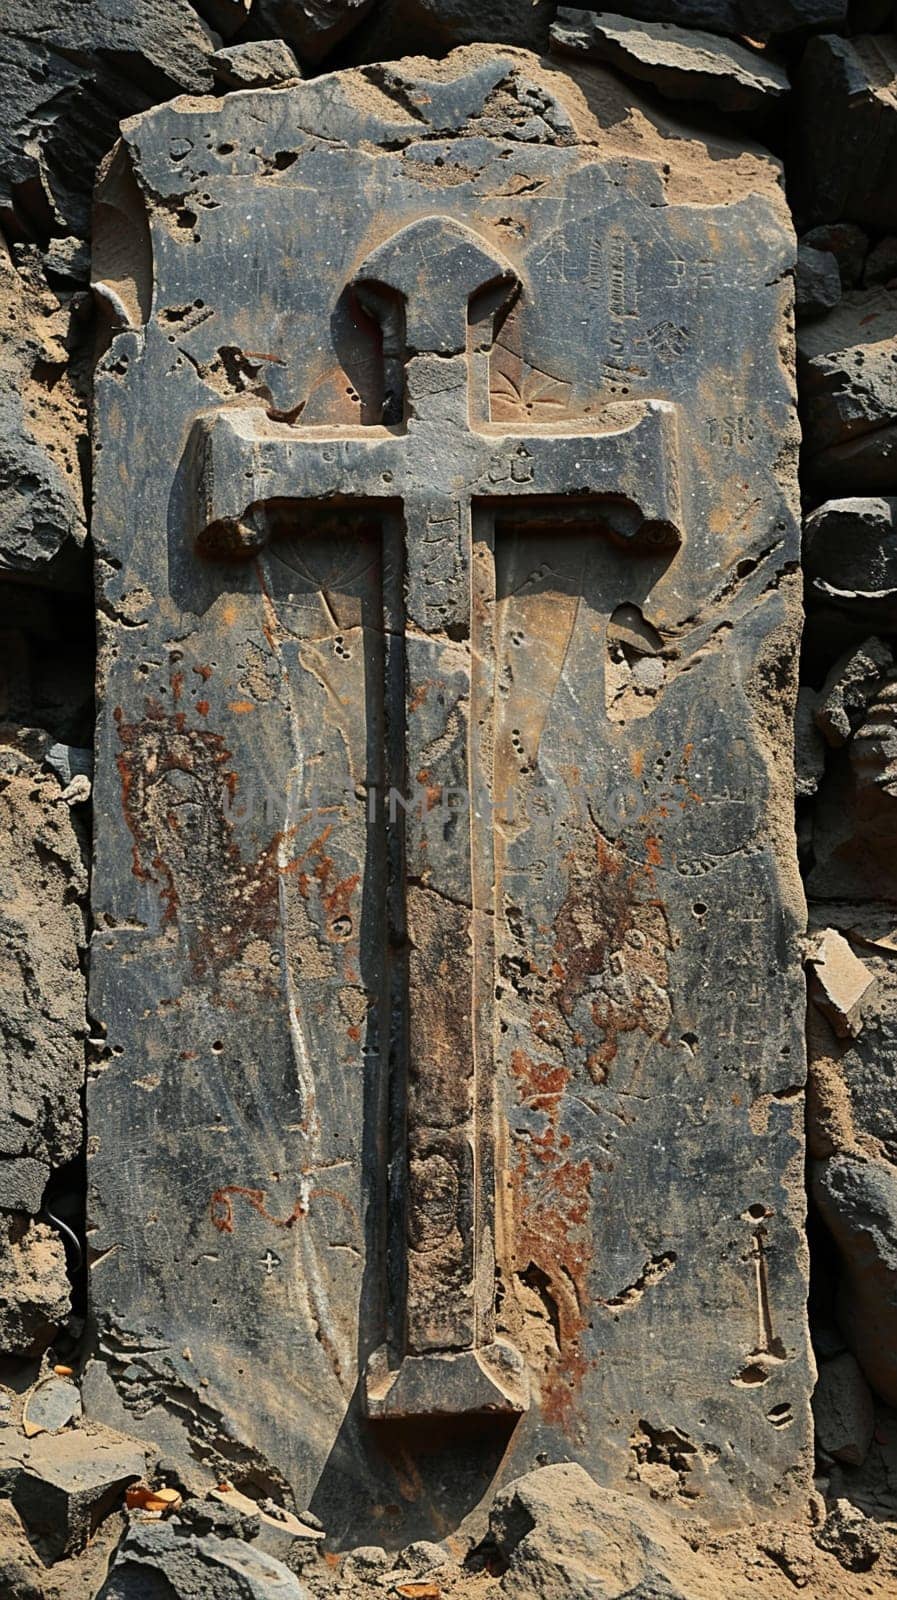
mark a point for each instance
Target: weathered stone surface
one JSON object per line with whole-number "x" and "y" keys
{"x": 41, "y": 420}
{"x": 561, "y": 1535}
{"x": 843, "y": 1410}
{"x": 845, "y": 131}
{"x": 847, "y": 243}
{"x": 255, "y": 65}
{"x": 850, "y": 558}
{"x": 66, "y": 78}
{"x": 34, "y": 1289}
{"x": 165, "y": 1558}
{"x": 850, "y": 686}
{"x": 42, "y": 993}
{"x": 840, "y": 982}
{"x": 817, "y": 283}
{"x": 683, "y": 64}
{"x": 857, "y": 1197}
{"x": 22, "y": 1183}
{"x": 849, "y": 394}
{"x": 63, "y": 1484}
{"x": 855, "y": 1540}
{"x": 578, "y": 443}
{"x": 756, "y": 19}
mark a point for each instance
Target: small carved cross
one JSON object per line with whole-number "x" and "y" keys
{"x": 438, "y": 463}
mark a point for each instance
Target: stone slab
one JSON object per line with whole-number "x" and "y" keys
{"x": 682, "y": 63}
{"x": 614, "y": 939}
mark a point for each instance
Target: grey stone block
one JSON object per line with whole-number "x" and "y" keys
{"x": 681, "y": 63}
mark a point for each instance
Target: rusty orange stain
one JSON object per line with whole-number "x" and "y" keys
{"x": 177, "y": 685}
{"x": 652, "y": 850}
{"x": 636, "y": 763}
{"x": 202, "y": 707}
{"x": 203, "y": 672}
{"x": 241, "y": 706}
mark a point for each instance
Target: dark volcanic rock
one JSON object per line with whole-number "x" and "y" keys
{"x": 256, "y": 65}
{"x": 843, "y": 1410}
{"x": 845, "y": 131}
{"x": 396, "y": 26}
{"x": 847, "y": 243}
{"x": 41, "y": 424}
{"x": 857, "y": 1196}
{"x": 755, "y": 19}
{"x": 848, "y": 392}
{"x": 850, "y": 558}
{"x": 168, "y": 1559}
{"x": 68, "y": 74}
{"x": 881, "y": 265}
{"x": 63, "y": 1484}
{"x": 681, "y": 64}
{"x": 817, "y": 284}
{"x": 315, "y": 26}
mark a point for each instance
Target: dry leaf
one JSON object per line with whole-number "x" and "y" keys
{"x": 419, "y": 1591}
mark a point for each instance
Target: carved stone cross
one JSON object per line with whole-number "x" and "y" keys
{"x": 437, "y": 464}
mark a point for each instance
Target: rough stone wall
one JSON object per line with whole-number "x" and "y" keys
{"x": 815, "y": 82}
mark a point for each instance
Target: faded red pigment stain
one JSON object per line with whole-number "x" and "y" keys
{"x": 221, "y": 1207}
{"x": 552, "y": 1211}
{"x": 612, "y": 941}
{"x": 335, "y": 896}
{"x": 176, "y": 782}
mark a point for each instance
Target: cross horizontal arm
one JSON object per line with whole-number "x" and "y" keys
{"x": 634, "y": 461}
{"x": 239, "y": 459}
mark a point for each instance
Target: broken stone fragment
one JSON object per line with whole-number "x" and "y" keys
{"x": 167, "y": 1557}
{"x": 839, "y": 982}
{"x": 50, "y": 1406}
{"x": 682, "y": 64}
{"x": 843, "y": 1410}
{"x": 847, "y": 243}
{"x": 67, "y": 77}
{"x": 817, "y": 284}
{"x": 41, "y": 421}
{"x": 754, "y": 19}
{"x": 63, "y": 1484}
{"x": 559, "y": 1533}
{"x": 846, "y": 131}
{"x": 225, "y": 16}
{"x": 857, "y": 1199}
{"x": 848, "y": 394}
{"x": 438, "y": 25}
{"x": 850, "y": 557}
{"x": 258, "y": 64}
{"x": 34, "y": 1288}
{"x": 275, "y": 1528}
{"x": 849, "y": 688}
{"x": 853, "y": 1539}
{"x": 22, "y": 1184}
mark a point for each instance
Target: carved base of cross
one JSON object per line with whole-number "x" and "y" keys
{"x": 448, "y": 1383}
